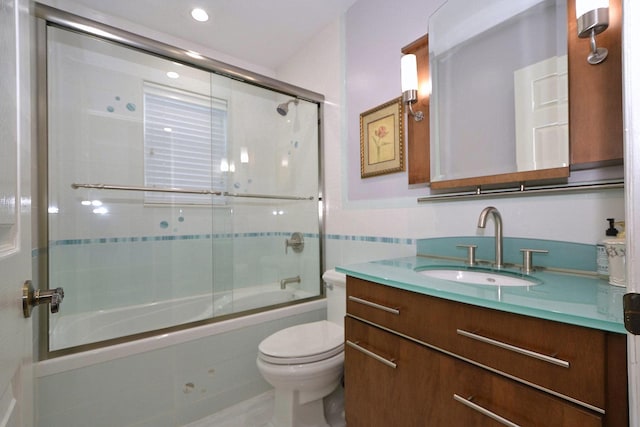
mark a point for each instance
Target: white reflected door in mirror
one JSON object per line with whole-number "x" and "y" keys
{"x": 542, "y": 115}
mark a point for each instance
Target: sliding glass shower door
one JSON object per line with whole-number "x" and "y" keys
{"x": 175, "y": 195}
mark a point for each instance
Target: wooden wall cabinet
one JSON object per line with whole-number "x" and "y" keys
{"x": 595, "y": 111}
{"x": 595, "y": 94}
{"x": 418, "y": 133}
{"x": 414, "y": 367}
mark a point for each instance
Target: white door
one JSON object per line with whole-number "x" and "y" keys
{"x": 631, "y": 96}
{"x": 16, "y": 379}
{"x": 542, "y": 115}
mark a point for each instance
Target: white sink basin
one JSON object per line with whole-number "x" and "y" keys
{"x": 477, "y": 277}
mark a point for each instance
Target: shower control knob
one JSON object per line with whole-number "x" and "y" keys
{"x": 31, "y": 298}
{"x": 296, "y": 242}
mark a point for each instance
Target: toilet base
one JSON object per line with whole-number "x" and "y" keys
{"x": 334, "y": 408}
{"x": 289, "y": 412}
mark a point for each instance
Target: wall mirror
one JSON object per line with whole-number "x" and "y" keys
{"x": 499, "y": 102}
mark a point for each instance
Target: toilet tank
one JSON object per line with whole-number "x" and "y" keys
{"x": 336, "y": 296}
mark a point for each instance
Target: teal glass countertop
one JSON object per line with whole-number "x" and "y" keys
{"x": 577, "y": 299}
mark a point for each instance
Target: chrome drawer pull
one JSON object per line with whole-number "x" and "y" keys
{"x": 483, "y": 411}
{"x": 513, "y": 348}
{"x": 371, "y": 354}
{"x": 374, "y": 305}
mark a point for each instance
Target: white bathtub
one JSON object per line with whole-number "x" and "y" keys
{"x": 88, "y": 358}
{"x": 83, "y": 328}
{"x": 164, "y": 380}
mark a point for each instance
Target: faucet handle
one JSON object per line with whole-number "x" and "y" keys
{"x": 296, "y": 242}
{"x": 471, "y": 253}
{"x": 527, "y": 258}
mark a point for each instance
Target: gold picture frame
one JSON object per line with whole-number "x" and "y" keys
{"x": 382, "y": 139}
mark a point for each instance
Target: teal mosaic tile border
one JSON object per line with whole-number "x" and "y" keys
{"x": 339, "y": 237}
{"x": 137, "y": 239}
{"x": 373, "y": 239}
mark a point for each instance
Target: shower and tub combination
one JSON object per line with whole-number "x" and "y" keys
{"x": 183, "y": 195}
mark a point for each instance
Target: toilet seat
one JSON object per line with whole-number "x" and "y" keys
{"x": 305, "y": 343}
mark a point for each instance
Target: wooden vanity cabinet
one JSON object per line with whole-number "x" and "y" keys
{"x": 437, "y": 370}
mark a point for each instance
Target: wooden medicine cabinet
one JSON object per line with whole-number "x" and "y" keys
{"x": 593, "y": 118}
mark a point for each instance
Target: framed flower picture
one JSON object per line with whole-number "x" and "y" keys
{"x": 381, "y": 139}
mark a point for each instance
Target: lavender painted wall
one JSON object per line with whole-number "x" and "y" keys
{"x": 376, "y": 31}
{"x": 379, "y": 217}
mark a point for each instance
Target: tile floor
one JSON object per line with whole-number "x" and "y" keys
{"x": 257, "y": 412}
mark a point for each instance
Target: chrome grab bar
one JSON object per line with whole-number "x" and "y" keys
{"x": 374, "y": 305}
{"x": 520, "y": 350}
{"x": 483, "y": 411}
{"x": 75, "y": 186}
{"x": 389, "y": 363}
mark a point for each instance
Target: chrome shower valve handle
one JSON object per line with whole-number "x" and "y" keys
{"x": 296, "y": 242}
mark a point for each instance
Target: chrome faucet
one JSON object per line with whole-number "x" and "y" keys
{"x": 497, "y": 220}
{"x": 285, "y": 282}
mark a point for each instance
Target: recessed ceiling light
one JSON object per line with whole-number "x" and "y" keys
{"x": 199, "y": 15}
{"x": 173, "y": 75}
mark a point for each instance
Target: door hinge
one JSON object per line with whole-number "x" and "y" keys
{"x": 631, "y": 310}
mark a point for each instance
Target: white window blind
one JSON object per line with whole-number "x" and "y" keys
{"x": 185, "y": 141}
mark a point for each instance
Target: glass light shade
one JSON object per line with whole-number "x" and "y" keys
{"x": 409, "y": 72}
{"x": 584, "y": 6}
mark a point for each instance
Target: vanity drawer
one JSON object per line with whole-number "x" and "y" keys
{"x": 482, "y": 398}
{"x": 565, "y": 359}
{"x": 399, "y": 310}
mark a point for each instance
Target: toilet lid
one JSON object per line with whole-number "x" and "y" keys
{"x": 306, "y": 343}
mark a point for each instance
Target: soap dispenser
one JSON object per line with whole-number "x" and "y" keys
{"x": 616, "y": 253}
{"x": 602, "y": 260}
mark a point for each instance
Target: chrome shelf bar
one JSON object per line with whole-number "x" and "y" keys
{"x": 522, "y": 191}
{"x": 76, "y": 186}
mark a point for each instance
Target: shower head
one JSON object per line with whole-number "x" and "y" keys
{"x": 283, "y": 108}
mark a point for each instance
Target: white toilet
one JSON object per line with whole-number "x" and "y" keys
{"x": 304, "y": 363}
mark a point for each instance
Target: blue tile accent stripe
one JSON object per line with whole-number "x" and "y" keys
{"x": 104, "y": 240}
{"x": 135, "y": 239}
{"x": 374, "y": 239}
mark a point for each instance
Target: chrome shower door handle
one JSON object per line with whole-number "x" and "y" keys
{"x": 31, "y": 298}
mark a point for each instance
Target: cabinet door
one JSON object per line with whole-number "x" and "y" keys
{"x": 378, "y": 394}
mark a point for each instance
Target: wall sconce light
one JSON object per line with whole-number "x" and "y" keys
{"x": 409, "y": 80}
{"x": 593, "y": 18}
